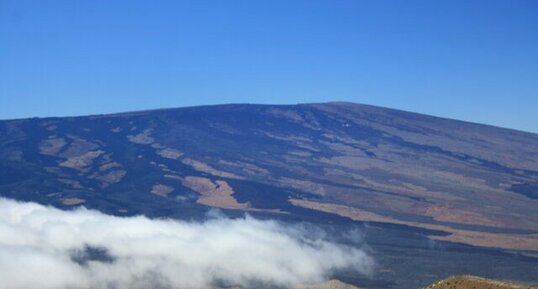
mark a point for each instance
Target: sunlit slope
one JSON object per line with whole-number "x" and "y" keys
{"x": 474, "y": 282}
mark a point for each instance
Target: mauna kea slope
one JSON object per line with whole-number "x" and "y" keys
{"x": 476, "y": 183}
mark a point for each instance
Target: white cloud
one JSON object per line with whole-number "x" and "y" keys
{"x": 43, "y": 247}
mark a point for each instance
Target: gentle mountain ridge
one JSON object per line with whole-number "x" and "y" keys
{"x": 476, "y": 183}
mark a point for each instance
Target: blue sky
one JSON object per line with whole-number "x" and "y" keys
{"x": 470, "y": 60}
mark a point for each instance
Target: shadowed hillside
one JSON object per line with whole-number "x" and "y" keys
{"x": 475, "y": 183}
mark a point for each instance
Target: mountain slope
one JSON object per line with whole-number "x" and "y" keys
{"x": 478, "y": 184}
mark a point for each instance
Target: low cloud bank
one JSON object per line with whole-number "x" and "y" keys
{"x": 43, "y": 247}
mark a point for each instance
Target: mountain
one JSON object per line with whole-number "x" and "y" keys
{"x": 428, "y": 197}
{"x": 465, "y": 182}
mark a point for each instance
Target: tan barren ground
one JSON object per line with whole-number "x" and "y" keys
{"x": 474, "y": 282}
{"x": 476, "y": 238}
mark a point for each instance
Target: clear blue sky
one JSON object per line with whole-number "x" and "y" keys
{"x": 470, "y": 60}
